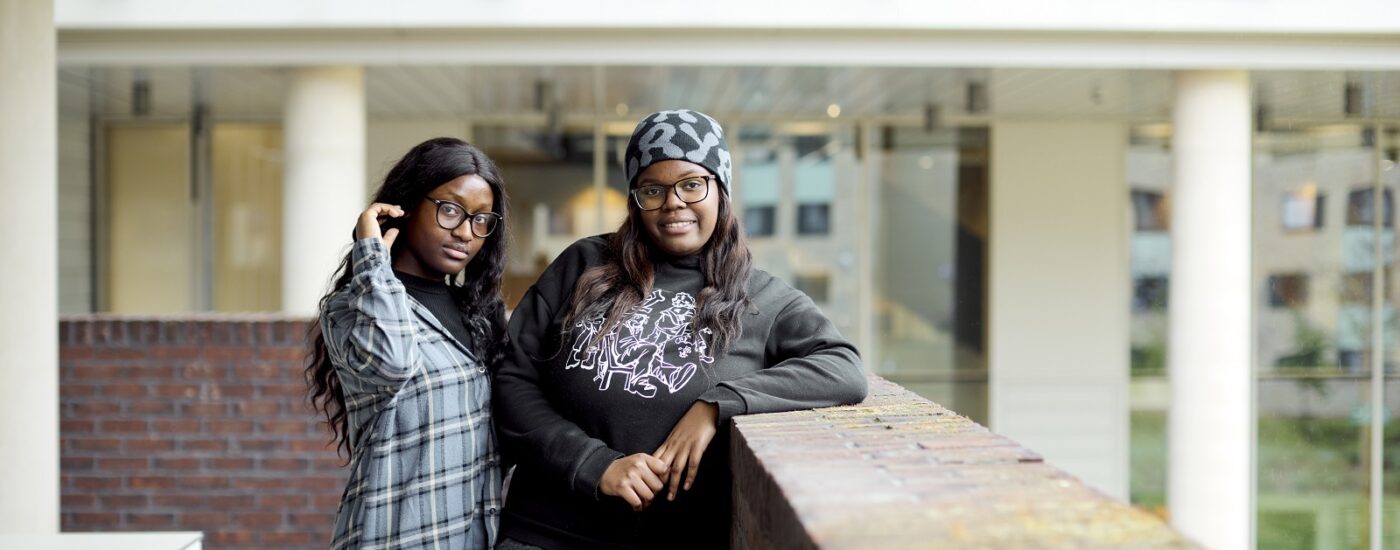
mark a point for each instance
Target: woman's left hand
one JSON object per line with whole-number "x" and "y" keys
{"x": 686, "y": 444}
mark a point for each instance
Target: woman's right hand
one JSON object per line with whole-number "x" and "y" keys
{"x": 368, "y": 224}
{"x": 636, "y": 479}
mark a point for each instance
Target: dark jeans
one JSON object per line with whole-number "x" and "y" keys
{"x": 512, "y": 544}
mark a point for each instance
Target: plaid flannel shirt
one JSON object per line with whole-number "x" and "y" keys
{"x": 424, "y": 468}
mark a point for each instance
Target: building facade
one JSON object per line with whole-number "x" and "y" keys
{"x": 1093, "y": 229}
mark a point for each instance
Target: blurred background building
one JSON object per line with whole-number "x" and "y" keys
{"x": 1086, "y": 225}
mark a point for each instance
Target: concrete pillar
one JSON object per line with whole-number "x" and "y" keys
{"x": 29, "y": 251}
{"x": 1059, "y": 295}
{"x": 1210, "y": 435}
{"x": 323, "y": 178}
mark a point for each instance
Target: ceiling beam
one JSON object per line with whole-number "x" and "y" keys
{"x": 729, "y": 48}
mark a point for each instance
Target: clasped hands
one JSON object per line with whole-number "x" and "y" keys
{"x": 641, "y": 478}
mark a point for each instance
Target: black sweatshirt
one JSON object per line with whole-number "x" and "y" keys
{"x": 565, "y": 410}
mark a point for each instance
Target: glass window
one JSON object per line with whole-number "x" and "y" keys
{"x": 1149, "y": 211}
{"x": 781, "y": 170}
{"x": 817, "y": 286}
{"x": 1314, "y": 337}
{"x": 1303, "y": 210}
{"x": 1149, "y": 294}
{"x": 1390, "y": 461}
{"x": 814, "y": 183}
{"x": 247, "y": 178}
{"x": 154, "y": 257}
{"x": 813, "y": 219}
{"x": 1149, "y": 171}
{"x": 760, "y": 221}
{"x": 931, "y": 235}
{"x": 150, "y": 225}
{"x": 549, "y": 174}
{"x": 758, "y": 183}
{"x": 1288, "y": 290}
{"x": 1357, "y": 288}
{"x": 1361, "y": 207}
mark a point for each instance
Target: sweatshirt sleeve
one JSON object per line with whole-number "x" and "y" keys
{"x": 809, "y": 365}
{"x": 368, "y": 325}
{"x": 531, "y": 430}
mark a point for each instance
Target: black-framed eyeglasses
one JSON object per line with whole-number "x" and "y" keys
{"x": 692, "y": 189}
{"x": 451, "y": 215}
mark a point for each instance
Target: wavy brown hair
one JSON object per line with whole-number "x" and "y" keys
{"x": 615, "y": 287}
{"x": 476, "y": 290}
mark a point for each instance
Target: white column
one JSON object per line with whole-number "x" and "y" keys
{"x": 323, "y": 179}
{"x": 1209, "y": 488}
{"x": 1059, "y": 295}
{"x": 867, "y": 251}
{"x": 29, "y": 251}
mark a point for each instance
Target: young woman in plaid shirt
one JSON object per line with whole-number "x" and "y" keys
{"x": 399, "y": 360}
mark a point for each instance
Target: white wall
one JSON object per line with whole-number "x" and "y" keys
{"x": 1125, "y": 15}
{"x": 1059, "y": 291}
{"x": 29, "y": 445}
{"x": 74, "y": 208}
{"x": 1260, "y": 34}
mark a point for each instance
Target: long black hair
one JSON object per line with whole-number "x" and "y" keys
{"x": 476, "y": 290}
{"x": 615, "y": 287}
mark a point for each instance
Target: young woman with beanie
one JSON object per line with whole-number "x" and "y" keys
{"x": 633, "y": 349}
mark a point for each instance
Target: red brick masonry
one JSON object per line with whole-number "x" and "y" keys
{"x": 194, "y": 424}
{"x": 200, "y": 424}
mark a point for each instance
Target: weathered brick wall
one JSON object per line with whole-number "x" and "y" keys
{"x": 194, "y": 424}
{"x": 898, "y": 471}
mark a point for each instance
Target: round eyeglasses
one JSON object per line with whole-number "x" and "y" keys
{"x": 689, "y": 190}
{"x": 451, "y": 215}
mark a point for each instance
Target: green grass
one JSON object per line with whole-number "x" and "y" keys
{"x": 1147, "y": 460}
{"x": 1287, "y": 530}
{"x": 1310, "y": 472}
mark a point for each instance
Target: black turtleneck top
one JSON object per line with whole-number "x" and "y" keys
{"x": 433, "y": 294}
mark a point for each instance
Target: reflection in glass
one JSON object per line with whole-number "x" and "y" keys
{"x": 757, "y": 186}
{"x": 1315, "y": 338}
{"x": 782, "y": 170}
{"x": 813, "y": 219}
{"x": 1389, "y": 154}
{"x": 759, "y": 221}
{"x": 1149, "y": 174}
{"x": 553, "y": 199}
{"x": 151, "y": 252}
{"x": 1304, "y": 209}
{"x": 247, "y": 179}
{"x": 816, "y": 285}
{"x": 1361, "y": 207}
{"x": 929, "y": 273}
{"x": 1149, "y": 210}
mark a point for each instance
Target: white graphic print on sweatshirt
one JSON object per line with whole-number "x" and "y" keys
{"x": 636, "y": 348}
